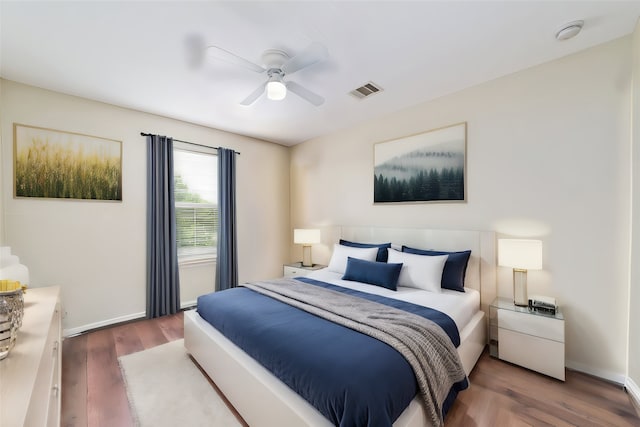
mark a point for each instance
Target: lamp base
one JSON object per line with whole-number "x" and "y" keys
{"x": 520, "y": 287}
{"x": 306, "y": 256}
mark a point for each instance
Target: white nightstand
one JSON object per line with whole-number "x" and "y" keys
{"x": 527, "y": 338}
{"x": 296, "y": 269}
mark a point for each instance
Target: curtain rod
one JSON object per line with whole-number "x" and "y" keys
{"x": 187, "y": 142}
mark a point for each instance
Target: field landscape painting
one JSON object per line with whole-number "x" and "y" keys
{"x": 64, "y": 165}
{"x": 428, "y": 167}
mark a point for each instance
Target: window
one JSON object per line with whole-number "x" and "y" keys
{"x": 196, "y": 196}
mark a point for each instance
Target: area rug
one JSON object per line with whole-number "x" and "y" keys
{"x": 165, "y": 388}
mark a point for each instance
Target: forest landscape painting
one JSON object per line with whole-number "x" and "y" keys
{"x": 64, "y": 165}
{"x": 428, "y": 167}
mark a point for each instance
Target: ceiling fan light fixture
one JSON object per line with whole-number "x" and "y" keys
{"x": 277, "y": 64}
{"x": 276, "y": 90}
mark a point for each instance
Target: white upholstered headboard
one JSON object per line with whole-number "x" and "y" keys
{"x": 481, "y": 271}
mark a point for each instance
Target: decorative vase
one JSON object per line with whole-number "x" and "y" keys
{"x": 11, "y": 313}
{"x": 13, "y": 276}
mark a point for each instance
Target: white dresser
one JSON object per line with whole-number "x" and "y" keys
{"x": 30, "y": 377}
{"x": 527, "y": 338}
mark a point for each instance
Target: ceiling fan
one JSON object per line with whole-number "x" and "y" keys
{"x": 277, "y": 65}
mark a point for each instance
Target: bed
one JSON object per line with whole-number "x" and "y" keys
{"x": 264, "y": 400}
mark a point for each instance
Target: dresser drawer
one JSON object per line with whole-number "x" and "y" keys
{"x": 535, "y": 325}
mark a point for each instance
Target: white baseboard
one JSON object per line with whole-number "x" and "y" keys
{"x": 633, "y": 390}
{"x": 84, "y": 328}
{"x": 605, "y": 375}
{"x": 188, "y": 304}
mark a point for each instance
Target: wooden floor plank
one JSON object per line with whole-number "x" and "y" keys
{"x": 74, "y": 382}
{"x": 172, "y": 327}
{"x": 127, "y": 339}
{"x": 501, "y": 394}
{"x": 107, "y": 403}
{"x": 150, "y": 333}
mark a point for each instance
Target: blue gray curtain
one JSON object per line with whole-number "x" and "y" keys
{"x": 227, "y": 263}
{"x": 163, "y": 282}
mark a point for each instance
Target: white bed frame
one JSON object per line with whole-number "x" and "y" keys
{"x": 263, "y": 400}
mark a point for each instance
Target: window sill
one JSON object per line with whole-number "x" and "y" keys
{"x": 193, "y": 261}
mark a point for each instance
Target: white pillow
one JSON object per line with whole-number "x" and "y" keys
{"x": 341, "y": 253}
{"x": 419, "y": 271}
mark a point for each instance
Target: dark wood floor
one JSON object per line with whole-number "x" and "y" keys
{"x": 502, "y": 394}
{"x": 93, "y": 392}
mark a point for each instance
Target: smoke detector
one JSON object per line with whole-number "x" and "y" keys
{"x": 569, "y": 30}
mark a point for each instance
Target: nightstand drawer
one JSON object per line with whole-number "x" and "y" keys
{"x": 535, "y": 325}
{"x": 538, "y": 354}
{"x": 295, "y": 271}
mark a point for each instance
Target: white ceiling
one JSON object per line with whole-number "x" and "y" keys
{"x": 132, "y": 54}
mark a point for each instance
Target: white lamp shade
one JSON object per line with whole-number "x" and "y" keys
{"x": 520, "y": 253}
{"x": 276, "y": 91}
{"x": 306, "y": 236}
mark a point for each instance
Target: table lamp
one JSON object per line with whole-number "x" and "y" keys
{"x": 306, "y": 237}
{"x": 521, "y": 255}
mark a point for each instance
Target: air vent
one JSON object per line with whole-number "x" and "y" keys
{"x": 366, "y": 90}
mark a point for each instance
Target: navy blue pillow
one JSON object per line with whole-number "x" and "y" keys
{"x": 455, "y": 269}
{"x": 372, "y": 272}
{"x": 382, "y": 248}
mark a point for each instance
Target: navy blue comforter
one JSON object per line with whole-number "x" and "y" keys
{"x": 351, "y": 378}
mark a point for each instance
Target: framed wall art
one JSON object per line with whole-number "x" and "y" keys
{"x": 55, "y": 164}
{"x": 427, "y": 167}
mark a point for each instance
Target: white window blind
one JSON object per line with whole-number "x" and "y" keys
{"x": 196, "y": 197}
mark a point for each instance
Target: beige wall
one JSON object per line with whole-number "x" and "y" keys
{"x": 96, "y": 250}
{"x": 547, "y": 157}
{"x": 634, "y": 297}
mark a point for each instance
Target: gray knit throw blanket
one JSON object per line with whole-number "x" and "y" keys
{"x": 425, "y": 346}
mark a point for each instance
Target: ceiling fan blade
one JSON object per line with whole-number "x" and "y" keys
{"x": 316, "y": 52}
{"x": 305, "y": 94}
{"x": 195, "y": 47}
{"x": 232, "y": 58}
{"x": 254, "y": 95}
